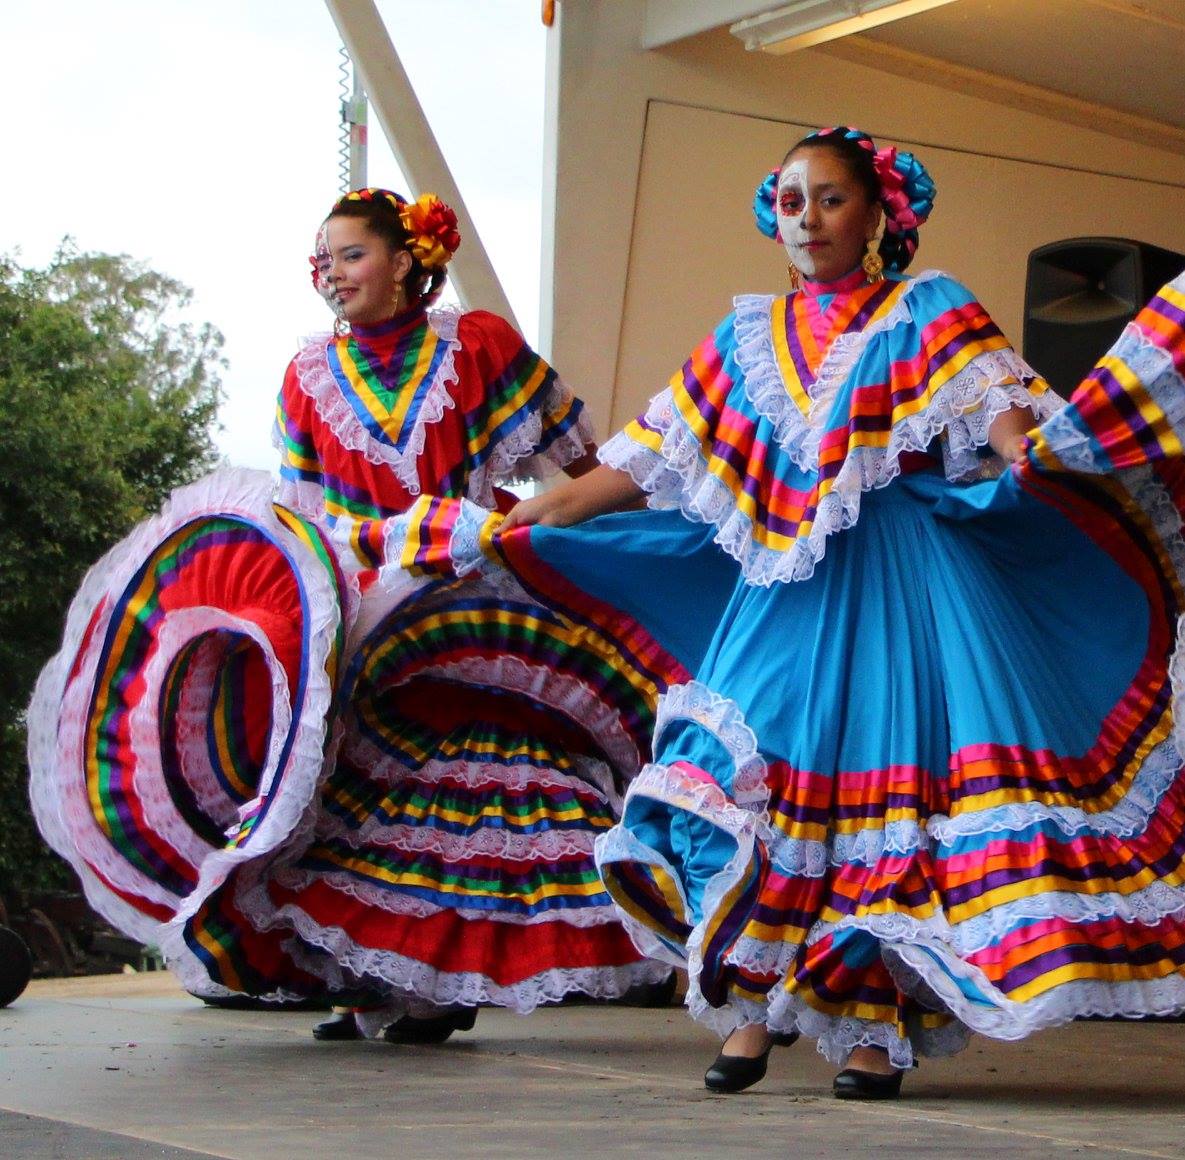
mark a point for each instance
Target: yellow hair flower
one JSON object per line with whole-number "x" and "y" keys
{"x": 432, "y": 229}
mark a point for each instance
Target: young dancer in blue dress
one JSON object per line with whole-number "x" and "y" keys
{"x": 916, "y": 785}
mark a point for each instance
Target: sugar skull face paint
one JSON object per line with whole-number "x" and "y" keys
{"x": 321, "y": 262}
{"x": 824, "y": 215}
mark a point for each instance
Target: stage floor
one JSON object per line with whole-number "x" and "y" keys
{"x": 130, "y": 1067}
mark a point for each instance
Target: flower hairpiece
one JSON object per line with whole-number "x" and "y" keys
{"x": 907, "y": 190}
{"x": 372, "y": 195}
{"x": 765, "y": 209}
{"x": 432, "y": 230}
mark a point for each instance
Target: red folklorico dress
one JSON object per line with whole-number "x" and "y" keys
{"x": 267, "y": 749}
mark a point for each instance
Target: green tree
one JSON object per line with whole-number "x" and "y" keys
{"x": 109, "y": 400}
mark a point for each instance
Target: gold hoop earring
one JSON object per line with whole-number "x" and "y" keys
{"x": 795, "y": 276}
{"x": 400, "y": 298}
{"x": 873, "y": 263}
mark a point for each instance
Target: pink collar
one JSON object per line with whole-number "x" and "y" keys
{"x": 844, "y": 285}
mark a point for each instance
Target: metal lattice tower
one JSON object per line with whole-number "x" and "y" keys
{"x": 352, "y": 148}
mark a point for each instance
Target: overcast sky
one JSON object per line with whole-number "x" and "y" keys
{"x": 202, "y": 136}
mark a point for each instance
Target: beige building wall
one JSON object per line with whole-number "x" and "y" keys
{"x": 656, "y": 156}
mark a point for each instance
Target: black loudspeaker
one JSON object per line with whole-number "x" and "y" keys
{"x": 1079, "y": 295}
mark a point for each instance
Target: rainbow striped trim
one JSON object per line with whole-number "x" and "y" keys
{"x": 165, "y": 645}
{"x": 389, "y": 400}
{"x": 794, "y": 406}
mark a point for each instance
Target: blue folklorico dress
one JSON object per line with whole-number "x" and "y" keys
{"x": 924, "y": 779}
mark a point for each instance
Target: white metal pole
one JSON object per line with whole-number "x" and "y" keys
{"x": 412, "y": 141}
{"x": 354, "y": 114}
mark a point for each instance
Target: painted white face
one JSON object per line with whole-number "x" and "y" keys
{"x": 792, "y": 206}
{"x": 824, "y": 215}
{"x": 322, "y": 261}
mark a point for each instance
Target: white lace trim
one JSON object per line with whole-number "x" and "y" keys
{"x": 485, "y": 839}
{"x": 766, "y": 958}
{"x": 465, "y": 555}
{"x": 963, "y": 408}
{"x": 304, "y": 498}
{"x": 838, "y": 1036}
{"x": 914, "y": 969}
{"x": 317, "y": 381}
{"x": 741, "y": 816}
{"x": 516, "y": 459}
{"x": 1146, "y": 907}
{"x": 976, "y": 397}
{"x": 797, "y": 857}
{"x": 191, "y": 725}
{"x": 590, "y": 911}
{"x": 1126, "y": 819}
{"x": 346, "y": 963}
{"x": 567, "y": 695}
{"x": 723, "y": 718}
{"x": 893, "y": 839}
{"x": 744, "y": 824}
{"x": 798, "y": 434}
{"x": 383, "y": 769}
{"x": 149, "y": 782}
{"x": 678, "y": 475}
{"x": 932, "y": 984}
{"x": 488, "y": 842}
{"x": 589, "y": 774}
{"x": 58, "y": 713}
{"x": 718, "y": 888}
{"x": 329, "y": 954}
{"x": 1151, "y": 497}
{"x": 298, "y": 495}
{"x": 658, "y": 477}
{"x": 619, "y": 845}
{"x": 1075, "y": 448}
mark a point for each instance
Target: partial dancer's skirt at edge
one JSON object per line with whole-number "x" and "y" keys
{"x": 936, "y": 787}
{"x": 297, "y": 788}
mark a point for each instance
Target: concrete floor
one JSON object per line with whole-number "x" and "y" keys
{"x": 130, "y": 1067}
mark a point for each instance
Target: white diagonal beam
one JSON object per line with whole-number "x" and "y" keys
{"x": 412, "y": 141}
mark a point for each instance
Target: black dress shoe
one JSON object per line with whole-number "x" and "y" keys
{"x": 852, "y": 1084}
{"x": 435, "y": 1029}
{"x": 340, "y": 1025}
{"x": 734, "y": 1073}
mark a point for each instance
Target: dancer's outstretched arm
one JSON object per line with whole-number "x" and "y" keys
{"x": 604, "y": 489}
{"x": 1007, "y": 432}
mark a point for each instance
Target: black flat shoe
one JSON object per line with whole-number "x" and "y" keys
{"x": 852, "y": 1084}
{"x": 435, "y": 1029}
{"x": 734, "y": 1073}
{"x": 341, "y": 1025}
